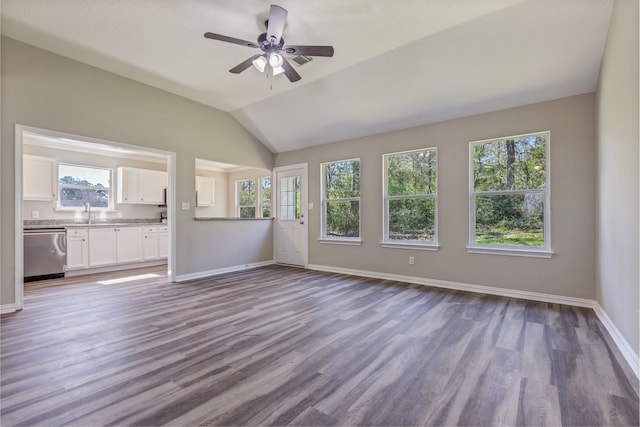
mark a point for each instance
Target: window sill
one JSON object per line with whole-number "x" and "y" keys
{"x": 413, "y": 246}
{"x": 532, "y": 253}
{"x": 348, "y": 242}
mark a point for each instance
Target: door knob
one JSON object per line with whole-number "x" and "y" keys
{"x": 301, "y": 222}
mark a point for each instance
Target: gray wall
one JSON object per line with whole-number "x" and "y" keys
{"x": 48, "y": 91}
{"x": 618, "y": 234}
{"x": 571, "y": 271}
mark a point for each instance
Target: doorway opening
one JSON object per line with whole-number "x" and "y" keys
{"x": 114, "y": 204}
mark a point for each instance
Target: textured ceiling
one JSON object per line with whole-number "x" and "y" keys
{"x": 397, "y": 63}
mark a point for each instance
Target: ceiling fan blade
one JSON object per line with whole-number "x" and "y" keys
{"x": 277, "y": 18}
{"x": 291, "y": 74}
{"x": 244, "y": 65}
{"x": 228, "y": 39}
{"x": 309, "y": 50}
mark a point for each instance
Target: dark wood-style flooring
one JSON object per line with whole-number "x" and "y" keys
{"x": 285, "y": 346}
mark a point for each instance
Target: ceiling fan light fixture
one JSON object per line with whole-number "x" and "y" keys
{"x": 278, "y": 70}
{"x": 260, "y": 63}
{"x": 275, "y": 60}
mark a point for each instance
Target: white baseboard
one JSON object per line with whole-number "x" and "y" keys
{"x": 490, "y": 290}
{"x": 7, "y": 308}
{"x": 209, "y": 273}
{"x": 617, "y": 337}
{"x": 623, "y": 345}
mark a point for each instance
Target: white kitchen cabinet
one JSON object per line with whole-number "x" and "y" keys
{"x": 163, "y": 241}
{"x": 141, "y": 186}
{"x": 149, "y": 243}
{"x": 77, "y": 248}
{"x": 102, "y": 246}
{"x": 114, "y": 245}
{"x": 128, "y": 244}
{"x": 38, "y": 178}
{"x": 151, "y": 186}
{"x": 127, "y": 185}
{"x": 205, "y": 191}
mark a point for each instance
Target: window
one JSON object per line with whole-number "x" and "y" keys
{"x": 509, "y": 188}
{"x": 341, "y": 200}
{"x": 246, "y": 191}
{"x": 79, "y": 185}
{"x": 265, "y": 196}
{"x": 249, "y": 194}
{"x": 410, "y": 197}
{"x": 290, "y": 198}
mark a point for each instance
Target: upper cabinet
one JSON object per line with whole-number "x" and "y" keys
{"x": 205, "y": 191}
{"x": 38, "y": 178}
{"x": 141, "y": 186}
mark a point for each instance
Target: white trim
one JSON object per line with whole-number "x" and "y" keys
{"x": 8, "y": 308}
{"x": 386, "y": 198}
{"x": 209, "y": 273}
{"x": 324, "y": 201}
{"x": 338, "y": 241}
{"x": 503, "y": 250}
{"x": 18, "y": 240}
{"x": 623, "y": 345}
{"x": 304, "y": 206}
{"x": 410, "y": 245}
{"x": 489, "y": 290}
{"x": 547, "y": 196}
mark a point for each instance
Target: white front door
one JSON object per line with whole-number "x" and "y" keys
{"x": 291, "y": 231}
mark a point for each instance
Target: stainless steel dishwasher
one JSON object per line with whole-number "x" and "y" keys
{"x": 45, "y": 253}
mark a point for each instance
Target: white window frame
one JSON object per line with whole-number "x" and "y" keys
{"x": 111, "y": 189}
{"x": 407, "y": 244}
{"x": 324, "y": 202}
{"x": 526, "y": 251}
{"x": 258, "y": 205}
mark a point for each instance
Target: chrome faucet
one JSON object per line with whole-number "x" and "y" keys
{"x": 87, "y": 208}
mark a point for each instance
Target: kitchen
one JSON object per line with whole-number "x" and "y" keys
{"x": 90, "y": 208}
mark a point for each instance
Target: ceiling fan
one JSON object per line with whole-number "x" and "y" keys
{"x": 272, "y": 46}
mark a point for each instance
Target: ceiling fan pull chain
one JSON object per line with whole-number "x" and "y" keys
{"x": 270, "y": 78}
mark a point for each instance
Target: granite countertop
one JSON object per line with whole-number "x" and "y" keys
{"x": 230, "y": 218}
{"x": 66, "y": 223}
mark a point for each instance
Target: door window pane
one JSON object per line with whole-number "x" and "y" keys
{"x": 290, "y": 198}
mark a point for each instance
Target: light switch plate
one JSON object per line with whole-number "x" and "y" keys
{"x": 35, "y": 214}
{"x": 185, "y": 206}
{"x": 310, "y": 206}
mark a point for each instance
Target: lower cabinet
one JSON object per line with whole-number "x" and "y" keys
{"x": 163, "y": 241}
{"x": 128, "y": 245}
{"x": 155, "y": 242}
{"x": 114, "y": 245}
{"x": 77, "y": 248}
{"x": 102, "y": 246}
{"x": 149, "y": 243}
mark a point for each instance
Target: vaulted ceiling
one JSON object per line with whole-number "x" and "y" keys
{"x": 397, "y": 63}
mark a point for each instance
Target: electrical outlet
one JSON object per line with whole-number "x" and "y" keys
{"x": 412, "y": 260}
{"x": 35, "y": 214}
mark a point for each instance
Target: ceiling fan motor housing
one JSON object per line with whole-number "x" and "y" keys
{"x": 267, "y": 46}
